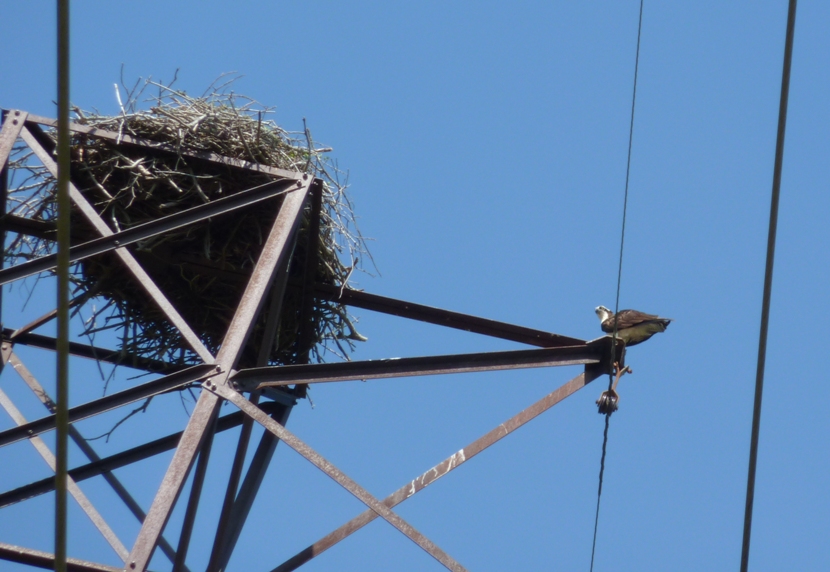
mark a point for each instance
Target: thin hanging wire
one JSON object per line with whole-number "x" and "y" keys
{"x": 619, "y": 273}
{"x": 762, "y": 341}
{"x": 599, "y": 492}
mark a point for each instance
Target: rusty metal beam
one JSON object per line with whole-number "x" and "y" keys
{"x": 441, "y": 317}
{"x": 237, "y": 502}
{"x": 46, "y": 560}
{"x": 44, "y": 319}
{"x": 306, "y": 338}
{"x": 256, "y": 378}
{"x": 107, "y": 355}
{"x": 103, "y": 466}
{"x": 33, "y": 384}
{"x": 29, "y": 226}
{"x": 233, "y": 485}
{"x": 274, "y": 253}
{"x": 13, "y": 123}
{"x": 147, "y": 283}
{"x": 336, "y": 474}
{"x": 166, "y": 383}
{"x": 244, "y": 501}
{"x": 267, "y": 343}
{"x": 152, "y": 228}
{"x": 129, "y": 140}
{"x": 450, "y": 463}
{"x": 71, "y": 486}
{"x": 193, "y": 501}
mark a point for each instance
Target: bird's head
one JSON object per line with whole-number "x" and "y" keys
{"x": 603, "y": 313}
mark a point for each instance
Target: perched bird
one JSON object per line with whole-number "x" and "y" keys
{"x": 633, "y": 327}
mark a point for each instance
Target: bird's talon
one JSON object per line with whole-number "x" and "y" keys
{"x": 620, "y": 373}
{"x": 608, "y": 402}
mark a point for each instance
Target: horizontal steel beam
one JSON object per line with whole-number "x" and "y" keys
{"x": 124, "y": 139}
{"x": 153, "y": 228}
{"x": 442, "y": 317}
{"x": 107, "y": 355}
{"x": 254, "y": 378}
{"x": 122, "y": 459}
{"x": 46, "y": 560}
{"x": 166, "y": 383}
{"x": 29, "y": 226}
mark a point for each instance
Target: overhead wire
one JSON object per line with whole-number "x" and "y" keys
{"x": 619, "y": 273}
{"x": 63, "y": 238}
{"x": 765, "y": 305}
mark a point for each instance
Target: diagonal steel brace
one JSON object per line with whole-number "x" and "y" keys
{"x": 150, "y": 229}
{"x": 341, "y": 478}
{"x": 126, "y": 257}
{"x": 449, "y": 464}
{"x": 274, "y": 252}
{"x": 12, "y": 359}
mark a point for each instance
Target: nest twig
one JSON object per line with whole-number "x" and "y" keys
{"x": 202, "y": 268}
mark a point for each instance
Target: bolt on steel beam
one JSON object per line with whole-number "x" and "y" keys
{"x": 12, "y": 126}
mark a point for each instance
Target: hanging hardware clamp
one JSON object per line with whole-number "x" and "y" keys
{"x": 607, "y": 402}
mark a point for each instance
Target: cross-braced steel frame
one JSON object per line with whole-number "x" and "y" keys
{"x": 263, "y": 394}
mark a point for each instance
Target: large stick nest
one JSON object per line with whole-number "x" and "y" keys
{"x": 203, "y": 268}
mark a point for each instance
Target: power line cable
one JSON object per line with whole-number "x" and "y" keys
{"x": 773, "y": 226}
{"x": 62, "y": 373}
{"x": 619, "y": 273}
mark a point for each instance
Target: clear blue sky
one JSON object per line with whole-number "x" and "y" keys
{"x": 486, "y": 144}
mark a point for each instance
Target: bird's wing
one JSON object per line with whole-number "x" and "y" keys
{"x": 630, "y": 318}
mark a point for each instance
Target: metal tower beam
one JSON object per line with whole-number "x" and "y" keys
{"x": 258, "y": 378}
{"x": 218, "y": 374}
{"x": 339, "y": 476}
{"x": 450, "y": 463}
{"x": 147, "y": 283}
{"x": 275, "y": 251}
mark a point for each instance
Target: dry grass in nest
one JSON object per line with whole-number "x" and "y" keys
{"x": 203, "y": 268}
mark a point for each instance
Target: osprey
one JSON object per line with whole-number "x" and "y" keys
{"x": 633, "y": 327}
